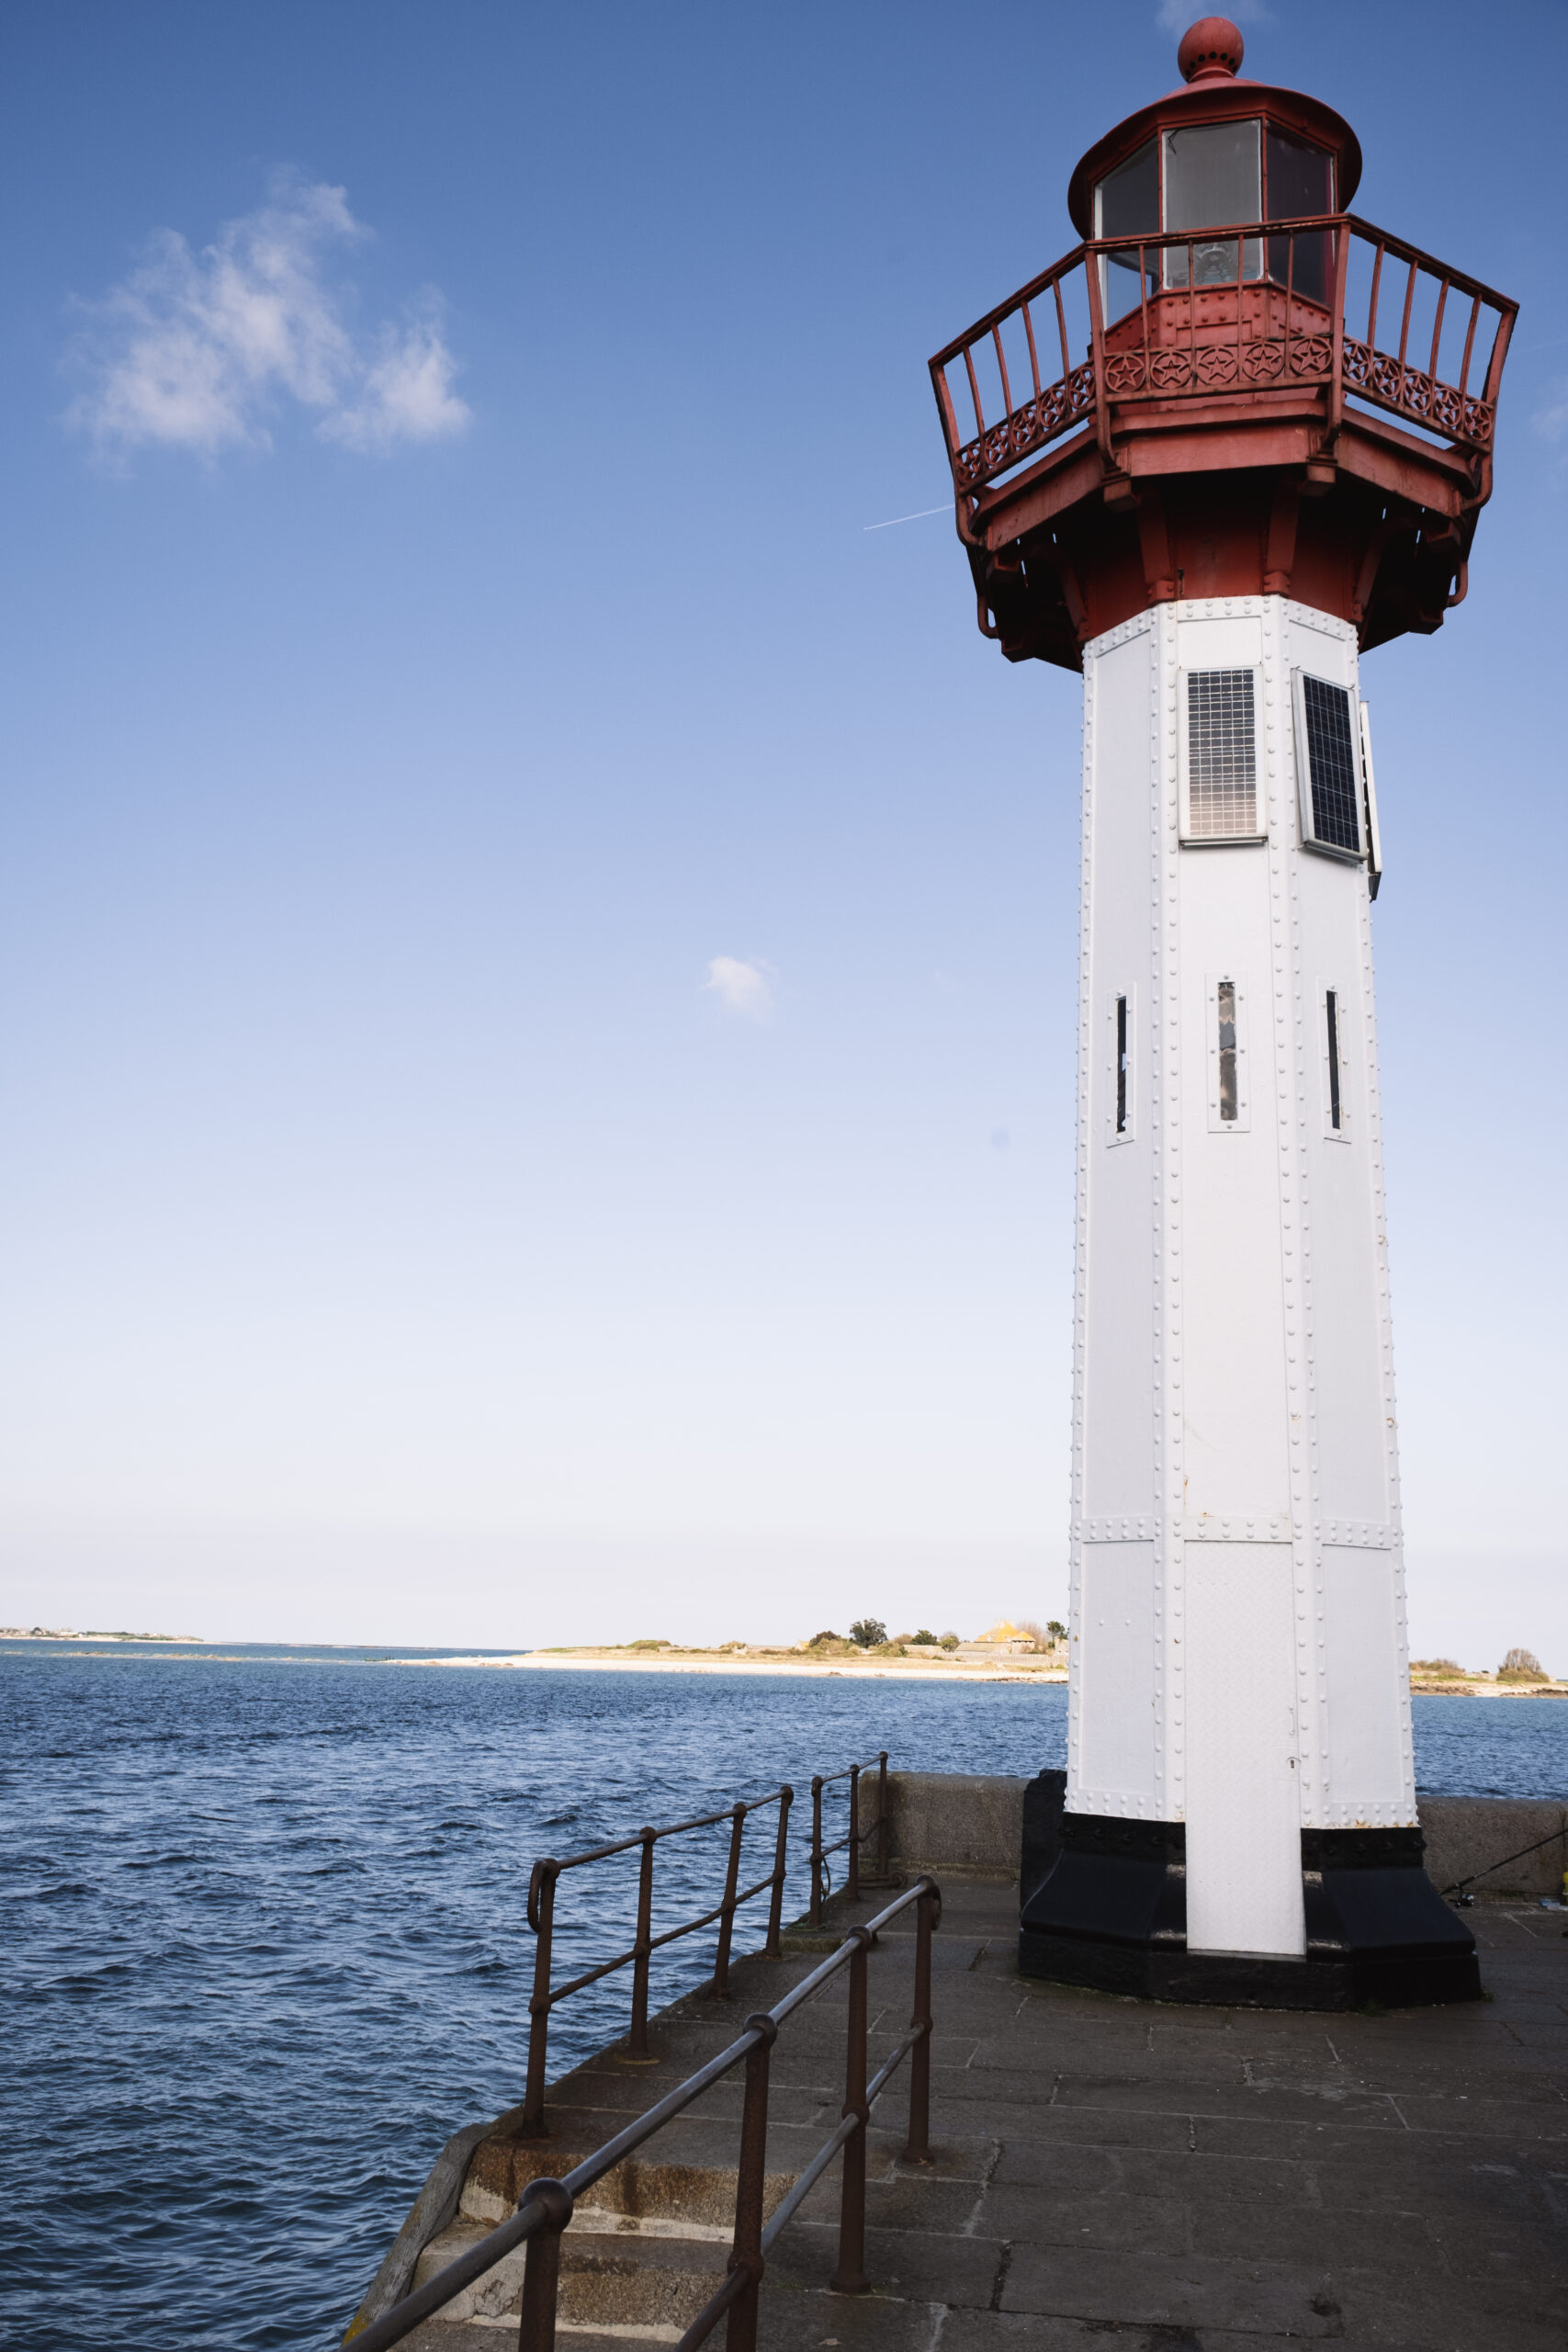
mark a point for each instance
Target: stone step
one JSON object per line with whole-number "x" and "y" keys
{"x": 615, "y": 2274}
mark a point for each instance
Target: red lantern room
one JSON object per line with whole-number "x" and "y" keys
{"x": 1233, "y": 387}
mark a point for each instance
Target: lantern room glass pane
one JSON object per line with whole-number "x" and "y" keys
{"x": 1301, "y": 184}
{"x": 1213, "y": 175}
{"x": 1126, "y": 204}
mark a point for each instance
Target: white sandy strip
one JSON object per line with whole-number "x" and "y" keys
{"x": 577, "y": 1664}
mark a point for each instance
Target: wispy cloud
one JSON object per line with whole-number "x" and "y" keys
{"x": 204, "y": 351}
{"x": 1551, "y": 421}
{"x": 741, "y": 988}
{"x": 1175, "y": 16}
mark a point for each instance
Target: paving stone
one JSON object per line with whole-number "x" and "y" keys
{"x": 1043, "y": 2331}
{"x": 1107, "y": 2222}
{"x": 1206, "y": 2179}
{"x": 918, "y": 2264}
{"x": 1172, "y": 2290}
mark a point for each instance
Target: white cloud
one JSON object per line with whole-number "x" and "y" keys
{"x": 741, "y": 988}
{"x": 203, "y": 351}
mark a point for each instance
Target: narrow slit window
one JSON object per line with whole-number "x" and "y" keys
{"x": 1334, "y": 1112}
{"x": 1225, "y": 998}
{"x": 1221, "y": 755}
{"x": 1331, "y": 799}
{"x": 1121, "y": 1065}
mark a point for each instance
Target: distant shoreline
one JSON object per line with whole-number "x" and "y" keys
{"x": 885, "y": 1670}
{"x": 60, "y": 1633}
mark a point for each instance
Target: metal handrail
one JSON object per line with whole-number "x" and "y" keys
{"x": 855, "y": 1838}
{"x": 548, "y": 1871}
{"x": 1211, "y": 354}
{"x": 547, "y": 2206}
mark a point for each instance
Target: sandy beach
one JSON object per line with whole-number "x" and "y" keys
{"x": 885, "y": 1670}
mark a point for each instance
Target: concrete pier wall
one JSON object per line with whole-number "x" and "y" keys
{"x": 972, "y": 1826}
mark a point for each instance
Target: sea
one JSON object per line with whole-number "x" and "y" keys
{"x": 266, "y": 1939}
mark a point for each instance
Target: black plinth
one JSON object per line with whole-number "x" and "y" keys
{"x": 1104, "y": 1903}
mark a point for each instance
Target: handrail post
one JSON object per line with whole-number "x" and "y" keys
{"x": 745, "y": 2254}
{"x": 884, "y": 1856}
{"x": 816, "y": 1911}
{"x": 541, "y": 2274}
{"x": 726, "y": 1908}
{"x": 542, "y": 1909}
{"x": 919, "y": 2149}
{"x": 851, "y": 1882}
{"x": 781, "y": 1865}
{"x": 643, "y": 1948}
{"x": 850, "y": 2278}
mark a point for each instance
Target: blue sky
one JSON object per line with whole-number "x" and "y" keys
{"x": 536, "y": 950}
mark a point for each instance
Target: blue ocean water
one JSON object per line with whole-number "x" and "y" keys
{"x": 265, "y": 1942}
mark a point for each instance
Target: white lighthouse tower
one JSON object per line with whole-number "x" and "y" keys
{"x": 1265, "y": 452}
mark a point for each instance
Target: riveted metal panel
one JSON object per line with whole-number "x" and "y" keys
{"x": 1244, "y": 1879}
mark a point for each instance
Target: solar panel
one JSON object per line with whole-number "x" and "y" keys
{"x": 1221, "y": 755}
{"x": 1331, "y": 763}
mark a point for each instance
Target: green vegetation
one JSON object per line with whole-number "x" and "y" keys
{"x": 949, "y": 1641}
{"x": 650, "y": 1645}
{"x": 1522, "y": 1666}
{"x": 868, "y": 1633}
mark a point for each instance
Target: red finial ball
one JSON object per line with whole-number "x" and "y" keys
{"x": 1211, "y": 51}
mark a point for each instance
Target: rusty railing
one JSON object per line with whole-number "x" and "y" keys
{"x": 853, "y": 1838}
{"x": 547, "y": 2206}
{"x": 542, "y": 1885}
{"x": 1264, "y": 303}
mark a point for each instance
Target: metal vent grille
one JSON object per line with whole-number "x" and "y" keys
{"x": 1331, "y": 757}
{"x": 1221, "y": 754}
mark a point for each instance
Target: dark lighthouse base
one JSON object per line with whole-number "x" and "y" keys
{"x": 1104, "y": 1903}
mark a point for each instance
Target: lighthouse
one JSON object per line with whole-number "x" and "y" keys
{"x": 1235, "y": 440}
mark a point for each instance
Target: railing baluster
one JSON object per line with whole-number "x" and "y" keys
{"x": 780, "y": 1866}
{"x": 851, "y": 1882}
{"x": 541, "y": 1910}
{"x": 1373, "y": 304}
{"x": 850, "y": 2278}
{"x": 1336, "y": 328}
{"x": 1404, "y": 327}
{"x": 974, "y": 392}
{"x": 1437, "y": 328}
{"x": 1469, "y": 345}
{"x": 541, "y": 2272}
{"x": 917, "y": 2149}
{"x": 1033, "y": 355}
{"x": 727, "y": 1909}
{"x": 814, "y": 1913}
{"x": 644, "y": 1947}
{"x": 1002, "y": 367}
{"x": 750, "y": 2177}
{"x": 1062, "y": 326}
{"x": 1096, "y": 356}
{"x": 882, "y": 1826}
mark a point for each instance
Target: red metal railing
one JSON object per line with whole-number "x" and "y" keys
{"x": 1244, "y": 308}
{"x": 547, "y": 2206}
